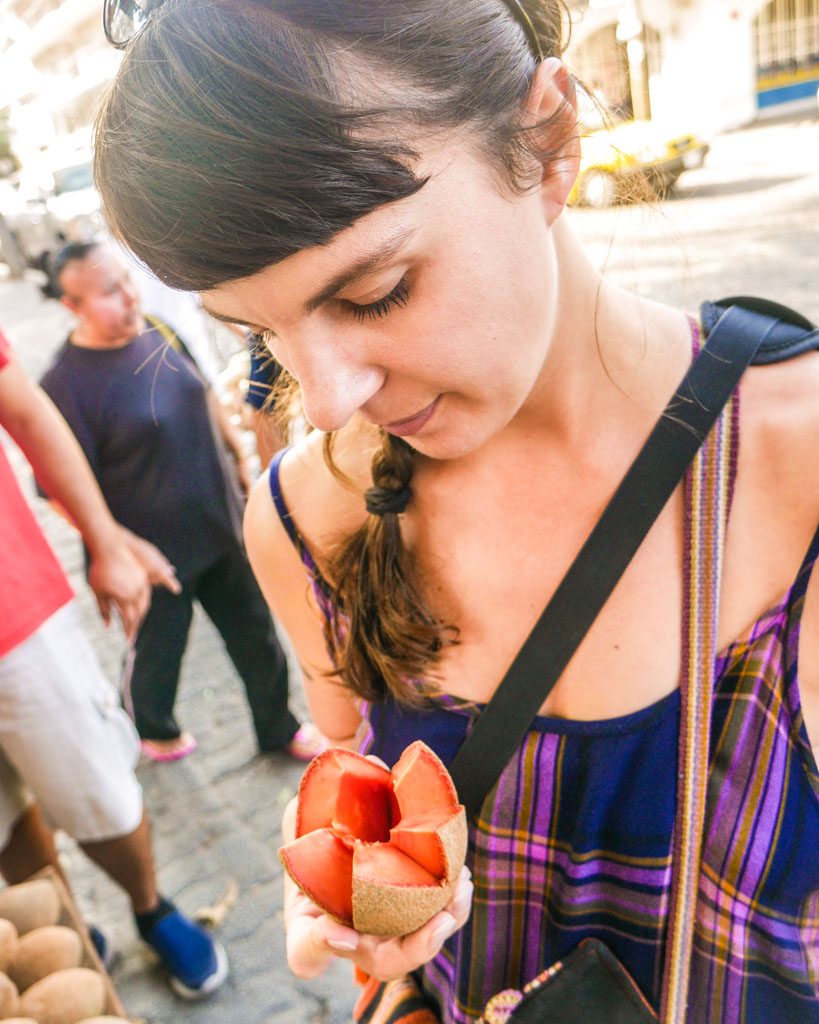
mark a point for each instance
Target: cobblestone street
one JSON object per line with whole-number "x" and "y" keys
{"x": 746, "y": 223}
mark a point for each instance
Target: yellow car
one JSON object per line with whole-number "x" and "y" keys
{"x": 611, "y": 158}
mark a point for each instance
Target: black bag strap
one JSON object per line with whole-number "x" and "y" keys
{"x": 639, "y": 499}
{"x": 792, "y": 335}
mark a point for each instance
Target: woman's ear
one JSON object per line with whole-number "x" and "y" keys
{"x": 551, "y": 103}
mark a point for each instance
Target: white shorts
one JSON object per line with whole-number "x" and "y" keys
{"x": 64, "y": 739}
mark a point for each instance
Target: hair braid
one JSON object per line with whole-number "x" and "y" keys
{"x": 382, "y": 634}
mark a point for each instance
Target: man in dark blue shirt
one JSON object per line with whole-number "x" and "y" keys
{"x": 159, "y": 444}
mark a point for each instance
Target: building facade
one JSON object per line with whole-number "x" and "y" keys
{"x": 711, "y": 64}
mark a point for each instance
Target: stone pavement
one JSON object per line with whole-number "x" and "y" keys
{"x": 745, "y": 223}
{"x": 215, "y": 815}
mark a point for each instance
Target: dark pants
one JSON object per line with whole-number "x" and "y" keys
{"x": 228, "y": 592}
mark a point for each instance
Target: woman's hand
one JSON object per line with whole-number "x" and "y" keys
{"x": 313, "y": 938}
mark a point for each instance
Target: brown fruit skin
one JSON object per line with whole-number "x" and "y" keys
{"x": 65, "y": 997}
{"x": 9, "y": 943}
{"x": 390, "y": 911}
{"x": 9, "y": 997}
{"x": 44, "y": 951}
{"x": 30, "y": 905}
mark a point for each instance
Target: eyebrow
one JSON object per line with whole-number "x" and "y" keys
{"x": 364, "y": 265}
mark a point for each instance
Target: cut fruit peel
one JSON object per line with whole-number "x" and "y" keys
{"x": 378, "y": 851}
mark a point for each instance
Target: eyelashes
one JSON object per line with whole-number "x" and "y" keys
{"x": 397, "y": 298}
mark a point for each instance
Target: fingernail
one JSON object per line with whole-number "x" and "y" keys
{"x": 342, "y": 945}
{"x": 464, "y": 900}
{"x": 444, "y": 927}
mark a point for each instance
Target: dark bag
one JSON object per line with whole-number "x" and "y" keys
{"x": 590, "y": 986}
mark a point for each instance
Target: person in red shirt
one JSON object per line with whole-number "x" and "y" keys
{"x": 66, "y": 746}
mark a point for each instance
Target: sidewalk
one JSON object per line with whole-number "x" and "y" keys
{"x": 215, "y": 815}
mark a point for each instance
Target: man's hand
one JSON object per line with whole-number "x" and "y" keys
{"x": 160, "y": 571}
{"x": 120, "y": 582}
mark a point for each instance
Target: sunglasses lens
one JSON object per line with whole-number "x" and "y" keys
{"x": 124, "y": 18}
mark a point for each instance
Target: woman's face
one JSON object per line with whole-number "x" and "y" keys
{"x": 430, "y": 317}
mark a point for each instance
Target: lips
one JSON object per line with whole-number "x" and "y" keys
{"x": 412, "y": 424}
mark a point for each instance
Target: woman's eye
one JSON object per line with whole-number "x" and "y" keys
{"x": 373, "y": 310}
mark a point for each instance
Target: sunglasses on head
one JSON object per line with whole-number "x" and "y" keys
{"x": 122, "y": 20}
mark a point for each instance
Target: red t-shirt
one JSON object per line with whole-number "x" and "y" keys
{"x": 32, "y": 583}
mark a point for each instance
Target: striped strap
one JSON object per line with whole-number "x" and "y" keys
{"x": 707, "y": 496}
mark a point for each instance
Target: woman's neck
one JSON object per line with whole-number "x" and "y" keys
{"x": 613, "y": 361}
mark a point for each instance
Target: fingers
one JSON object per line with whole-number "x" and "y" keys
{"x": 104, "y": 606}
{"x": 130, "y": 616}
{"x": 164, "y": 575}
{"x": 312, "y": 942}
{"x": 387, "y": 959}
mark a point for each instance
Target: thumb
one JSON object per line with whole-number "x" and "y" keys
{"x": 165, "y": 576}
{"x": 312, "y": 942}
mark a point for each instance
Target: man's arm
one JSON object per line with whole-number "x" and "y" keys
{"x": 115, "y": 574}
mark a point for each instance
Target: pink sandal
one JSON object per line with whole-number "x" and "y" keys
{"x": 162, "y": 751}
{"x": 307, "y": 742}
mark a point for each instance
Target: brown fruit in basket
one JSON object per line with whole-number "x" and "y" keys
{"x": 9, "y": 998}
{"x": 8, "y": 943}
{"x": 30, "y": 905}
{"x": 377, "y": 850}
{"x": 65, "y": 997}
{"x": 44, "y": 951}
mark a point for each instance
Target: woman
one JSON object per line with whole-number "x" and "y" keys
{"x": 379, "y": 189}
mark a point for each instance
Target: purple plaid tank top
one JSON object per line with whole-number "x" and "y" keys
{"x": 575, "y": 839}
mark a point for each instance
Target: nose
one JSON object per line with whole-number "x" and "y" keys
{"x": 334, "y": 385}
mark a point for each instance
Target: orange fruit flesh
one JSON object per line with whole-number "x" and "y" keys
{"x": 362, "y": 808}
{"x": 383, "y": 863}
{"x": 321, "y": 865}
{"x": 421, "y": 783}
{"x": 320, "y": 799}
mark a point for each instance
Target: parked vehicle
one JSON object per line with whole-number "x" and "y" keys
{"x": 74, "y": 206}
{"x": 614, "y": 158}
{"x": 27, "y": 218}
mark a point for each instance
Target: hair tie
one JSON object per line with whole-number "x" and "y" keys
{"x": 521, "y": 16}
{"x": 381, "y": 502}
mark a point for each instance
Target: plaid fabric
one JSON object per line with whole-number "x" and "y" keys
{"x": 575, "y": 840}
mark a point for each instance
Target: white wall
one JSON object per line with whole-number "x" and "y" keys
{"x": 708, "y": 77}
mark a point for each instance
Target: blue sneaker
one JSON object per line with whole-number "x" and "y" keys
{"x": 197, "y": 965}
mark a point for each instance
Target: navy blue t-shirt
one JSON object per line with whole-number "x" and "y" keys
{"x": 140, "y": 413}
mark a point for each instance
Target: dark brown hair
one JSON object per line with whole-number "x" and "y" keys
{"x": 239, "y": 132}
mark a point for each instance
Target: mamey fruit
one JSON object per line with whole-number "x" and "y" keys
{"x": 8, "y": 943}
{"x": 44, "y": 951}
{"x": 379, "y": 851}
{"x": 65, "y": 997}
{"x": 9, "y": 999}
{"x": 30, "y": 905}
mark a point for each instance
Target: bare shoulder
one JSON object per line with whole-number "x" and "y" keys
{"x": 326, "y": 503}
{"x": 780, "y": 429}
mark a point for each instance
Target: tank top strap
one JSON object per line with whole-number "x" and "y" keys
{"x": 800, "y": 585}
{"x": 274, "y": 480}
